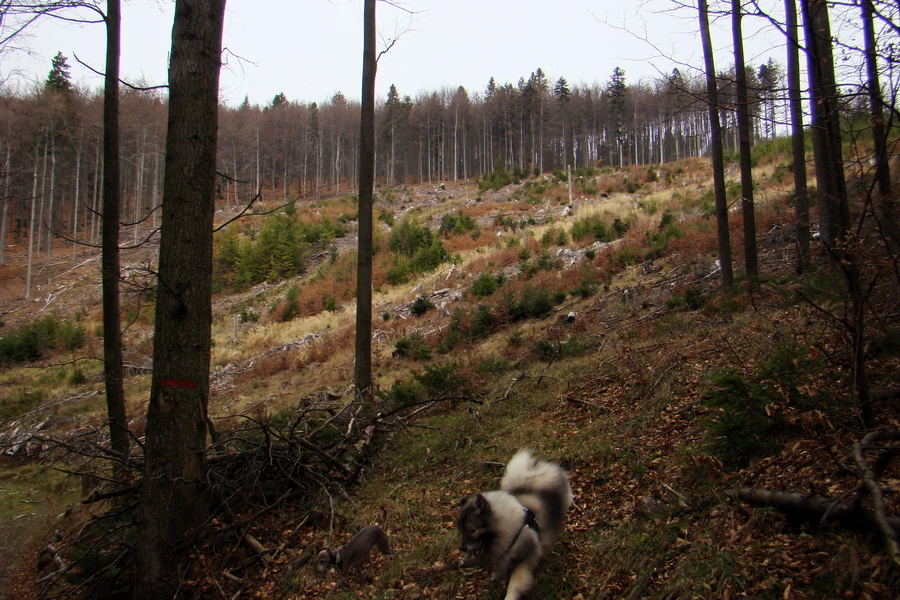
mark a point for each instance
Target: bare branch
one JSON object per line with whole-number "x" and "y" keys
{"x": 122, "y": 81}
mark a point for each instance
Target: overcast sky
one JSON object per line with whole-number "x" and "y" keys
{"x": 311, "y": 49}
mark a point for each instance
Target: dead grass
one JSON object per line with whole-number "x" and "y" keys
{"x": 622, "y": 413}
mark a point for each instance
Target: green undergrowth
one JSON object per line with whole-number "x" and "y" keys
{"x": 634, "y": 416}
{"x": 29, "y": 488}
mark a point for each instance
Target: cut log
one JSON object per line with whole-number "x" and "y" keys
{"x": 813, "y": 507}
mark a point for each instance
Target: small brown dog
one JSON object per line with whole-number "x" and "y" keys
{"x": 354, "y": 552}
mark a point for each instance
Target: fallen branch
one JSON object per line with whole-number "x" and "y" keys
{"x": 258, "y": 549}
{"x": 812, "y": 507}
{"x": 512, "y": 384}
{"x": 887, "y": 530}
{"x": 98, "y": 496}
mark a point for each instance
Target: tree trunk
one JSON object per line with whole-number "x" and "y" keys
{"x": 95, "y": 199}
{"x": 876, "y": 101}
{"x": 715, "y": 149}
{"x": 43, "y": 194}
{"x": 834, "y": 211}
{"x": 77, "y": 198}
{"x": 50, "y": 224}
{"x": 834, "y": 216}
{"x": 31, "y": 220}
{"x": 4, "y": 219}
{"x": 173, "y": 492}
{"x": 885, "y": 207}
{"x": 743, "y": 126}
{"x": 363, "y": 367}
{"x": 798, "y": 146}
{"x": 109, "y": 261}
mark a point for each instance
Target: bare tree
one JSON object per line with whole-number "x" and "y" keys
{"x": 834, "y": 215}
{"x": 363, "y": 367}
{"x": 743, "y": 118}
{"x": 112, "y": 324}
{"x": 876, "y": 100}
{"x": 798, "y": 146}
{"x": 173, "y": 498}
{"x": 715, "y": 149}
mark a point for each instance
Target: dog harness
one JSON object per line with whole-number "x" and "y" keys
{"x": 529, "y": 520}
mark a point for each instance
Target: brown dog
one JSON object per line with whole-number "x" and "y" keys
{"x": 354, "y": 552}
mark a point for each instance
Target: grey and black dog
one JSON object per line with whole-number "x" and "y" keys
{"x": 354, "y": 552}
{"x": 508, "y": 530}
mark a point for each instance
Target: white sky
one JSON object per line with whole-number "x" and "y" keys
{"x": 310, "y": 49}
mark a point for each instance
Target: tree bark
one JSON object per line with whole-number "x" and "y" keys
{"x": 173, "y": 493}
{"x": 363, "y": 350}
{"x": 876, "y": 101}
{"x": 798, "y": 145}
{"x": 715, "y": 150}
{"x": 109, "y": 261}
{"x": 743, "y": 125}
{"x": 4, "y": 218}
{"x": 31, "y": 223}
{"x": 834, "y": 210}
{"x": 834, "y": 215}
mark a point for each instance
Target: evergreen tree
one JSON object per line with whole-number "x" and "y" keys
{"x": 616, "y": 91}
{"x": 389, "y": 131}
{"x": 563, "y": 97}
{"x": 562, "y": 92}
{"x": 490, "y": 90}
{"x": 59, "y": 77}
{"x": 279, "y": 100}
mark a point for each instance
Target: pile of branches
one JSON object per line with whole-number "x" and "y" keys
{"x": 863, "y": 507}
{"x": 256, "y": 464}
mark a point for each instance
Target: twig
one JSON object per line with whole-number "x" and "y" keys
{"x": 888, "y": 532}
{"x": 512, "y": 384}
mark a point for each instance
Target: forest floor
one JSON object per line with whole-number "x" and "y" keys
{"x": 614, "y": 383}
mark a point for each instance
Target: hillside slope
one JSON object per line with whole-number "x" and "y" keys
{"x": 591, "y": 330}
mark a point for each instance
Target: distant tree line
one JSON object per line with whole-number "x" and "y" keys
{"x": 52, "y": 159}
{"x": 51, "y": 142}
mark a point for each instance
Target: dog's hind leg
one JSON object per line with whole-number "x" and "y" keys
{"x": 519, "y": 582}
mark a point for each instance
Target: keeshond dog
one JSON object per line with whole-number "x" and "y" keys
{"x": 508, "y": 530}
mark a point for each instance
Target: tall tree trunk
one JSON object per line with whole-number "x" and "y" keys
{"x": 31, "y": 224}
{"x": 173, "y": 491}
{"x": 109, "y": 261}
{"x": 43, "y": 194}
{"x": 715, "y": 149}
{"x": 95, "y": 199}
{"x": 4, "y": 218}
{"x": 876, "y": 101}
{"x": 834, "y": 215}
{"x": 798, "y": 146}
{"x": 139, "y": 186}
{"x": 77, "y": 198}
{"x": 50, "y": 209}
{"x": 833, "y": 204}
{"x": 743, "y": 125}
{"x": 363, "y": 355}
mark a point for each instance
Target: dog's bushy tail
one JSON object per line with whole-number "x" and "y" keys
{"x": 527, "y": 475}
{"x": 544, "y": 488}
